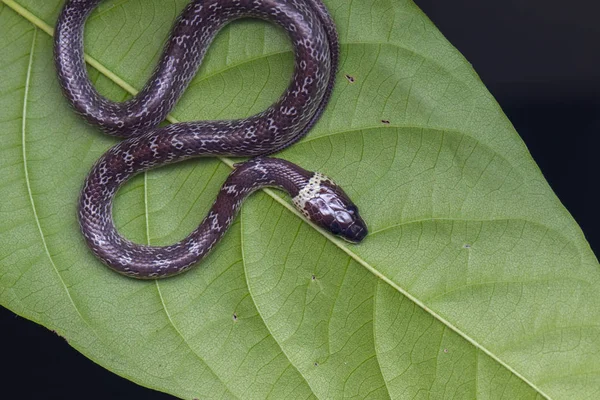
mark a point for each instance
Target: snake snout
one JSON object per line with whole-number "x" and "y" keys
{"x": 357, "y": 231}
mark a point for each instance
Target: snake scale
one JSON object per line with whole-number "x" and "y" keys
{"x": 316, "y": 51}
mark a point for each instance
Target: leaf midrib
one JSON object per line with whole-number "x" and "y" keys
{"x": 36, "y": 21}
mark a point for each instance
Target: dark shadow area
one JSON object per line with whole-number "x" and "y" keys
{"x": 541, "y": 61}
{"x": 539, "y": 58}
{"x": 39, "y": 364}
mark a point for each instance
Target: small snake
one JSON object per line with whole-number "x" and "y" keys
{"x": 316, "y": 49}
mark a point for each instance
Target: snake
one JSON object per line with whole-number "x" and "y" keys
{"x": 146, "y": 145}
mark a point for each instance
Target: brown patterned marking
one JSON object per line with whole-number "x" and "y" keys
{"x": 314, "y": 38}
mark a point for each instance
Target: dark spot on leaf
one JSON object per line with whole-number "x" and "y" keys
{"x": 467, "y": 246}
{"x": 314, "y": 278}
{"x": 350, "y": 78}
{"x": 445, "y": 350}
{"x": 385, "y": 121}
{"x": 235, "y": 317}
{"x": 316, "y": 364}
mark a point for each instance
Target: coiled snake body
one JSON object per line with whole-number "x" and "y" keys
{"x": 316, "y": 49}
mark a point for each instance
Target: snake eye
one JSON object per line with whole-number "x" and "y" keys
{"x": 335, "y": 228}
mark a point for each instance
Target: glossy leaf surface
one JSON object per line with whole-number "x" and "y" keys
{"x": 474, "y": 282}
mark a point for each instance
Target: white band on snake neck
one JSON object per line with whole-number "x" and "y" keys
{"x": 309, "y": 191}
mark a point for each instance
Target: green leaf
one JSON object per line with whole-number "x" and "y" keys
{"x": 474, "y": 282}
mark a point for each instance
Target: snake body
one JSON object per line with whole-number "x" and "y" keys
{"x": 314, "y": 38}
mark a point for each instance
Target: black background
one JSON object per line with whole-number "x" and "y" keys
{"x": 539, "y": 58}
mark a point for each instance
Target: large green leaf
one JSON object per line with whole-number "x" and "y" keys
{"x": 475, "y": 282}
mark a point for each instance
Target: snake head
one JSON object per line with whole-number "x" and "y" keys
{"x": 325, "y": 203}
